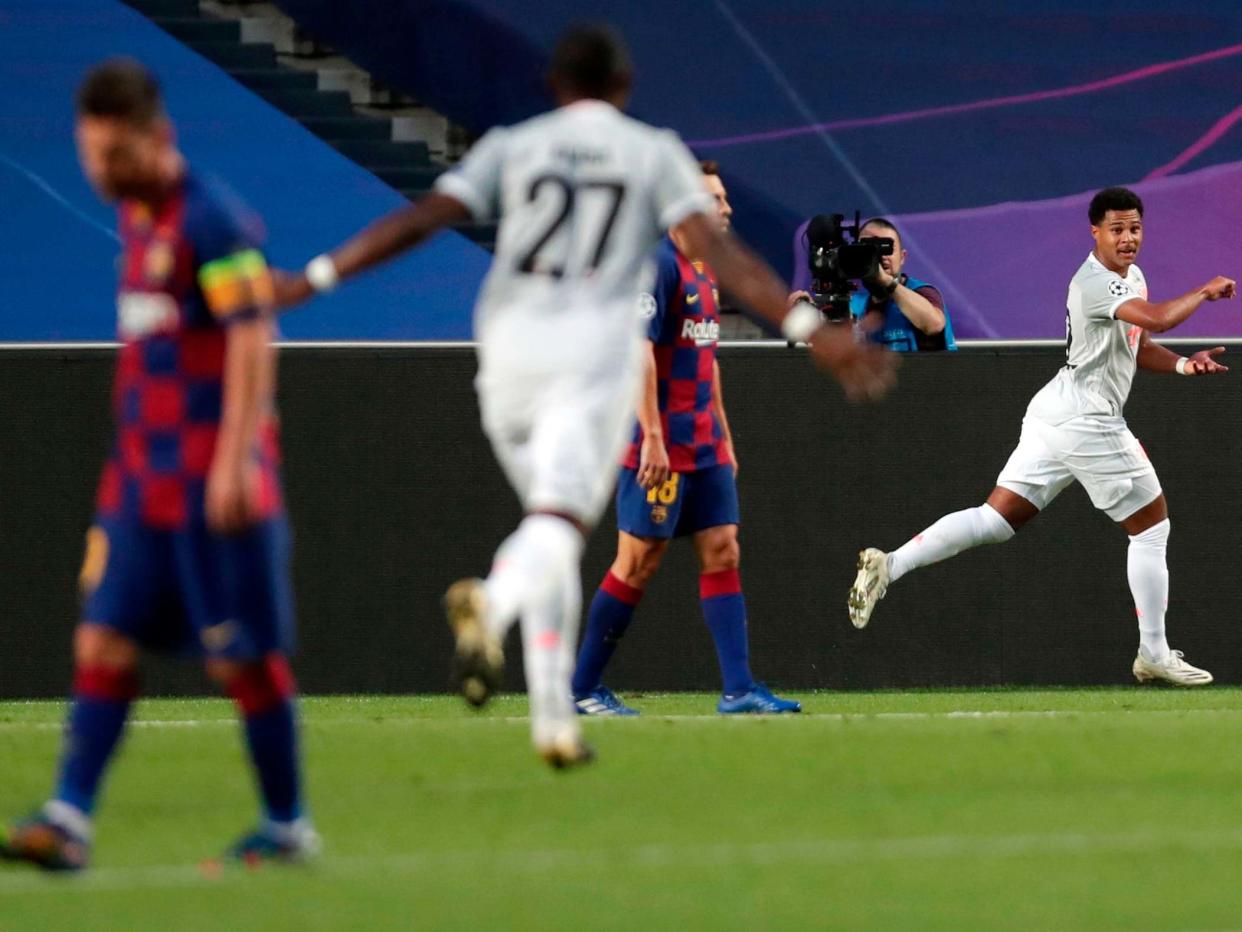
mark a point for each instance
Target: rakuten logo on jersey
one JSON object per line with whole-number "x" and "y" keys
{"x": 142, "y": 313}
{"x": 702, "y": 332}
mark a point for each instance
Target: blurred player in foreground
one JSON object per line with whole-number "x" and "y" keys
{"x": 1074, "y": 430}
{"x": 189, "y": 548}
{"x": 678, "y": 479}
{"x": 583, "y": 194}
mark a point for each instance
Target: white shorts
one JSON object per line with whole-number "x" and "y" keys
{"x": 1101, "y": 453}
{"x": 559, "y": 435}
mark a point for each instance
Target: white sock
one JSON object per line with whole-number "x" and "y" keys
{"x": 69, "y": 817}
{"x": 948, "y": 537}
{"x": 1149, "y": 584}
{"x": 527, "y": 565}
{"x": 288, "y": 832}
{"x": 549, "y": 640}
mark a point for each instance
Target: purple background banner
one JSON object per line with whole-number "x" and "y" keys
{"x": 1004, "y": 269}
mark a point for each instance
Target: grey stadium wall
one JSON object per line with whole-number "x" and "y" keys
{"x": 394, "y": 493}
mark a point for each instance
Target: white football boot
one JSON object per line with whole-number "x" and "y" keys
{"x": 565, "y": 750}
{"x": 1173, "y": 670}
{"x": 869, "y": 587}
{"x": 478, "y": 660}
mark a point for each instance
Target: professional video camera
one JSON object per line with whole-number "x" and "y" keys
{"x": 837, "y": 263}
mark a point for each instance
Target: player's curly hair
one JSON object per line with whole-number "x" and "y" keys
{"x": 592, "y": 60}
{"x": 1113, "y": 199}
{"x": 123, "y": 89}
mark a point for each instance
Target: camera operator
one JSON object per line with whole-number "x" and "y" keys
{"x": 902, "y": 313}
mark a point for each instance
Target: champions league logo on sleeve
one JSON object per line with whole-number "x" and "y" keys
{"x": 1117, "y": 288}
{"x": 646, "y": 306}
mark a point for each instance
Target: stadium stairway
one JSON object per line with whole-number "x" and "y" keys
{"x": 385, "y": 133}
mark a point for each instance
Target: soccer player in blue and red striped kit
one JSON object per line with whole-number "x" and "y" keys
{"x": 189, "y": 548}
{"x": 678, "y": 479}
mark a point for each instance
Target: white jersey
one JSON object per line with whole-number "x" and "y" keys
{"x": 583, "y": 194}
{"x": 1100, "y": 350}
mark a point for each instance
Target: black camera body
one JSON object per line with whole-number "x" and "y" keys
{"x": 836, "y": 263}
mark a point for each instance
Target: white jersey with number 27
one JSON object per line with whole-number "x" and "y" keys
{"x": 583, "y": 195}
{"x": 1100, "y": 350}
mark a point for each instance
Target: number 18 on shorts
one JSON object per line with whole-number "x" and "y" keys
{"x": 687, "y": 503}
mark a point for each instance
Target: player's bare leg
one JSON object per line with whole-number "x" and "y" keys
{"x": 994, "y": 522}
{"x": 58, "y": 837}
{"x": 638, "y": 559}
{"x": 1148, "y": 573}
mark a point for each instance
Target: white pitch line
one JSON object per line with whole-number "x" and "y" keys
{"x": 706, "y": 718}
{"x": 430, "y": 865}
{"x": 141, "y": 723}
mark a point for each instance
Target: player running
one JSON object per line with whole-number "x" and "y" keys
{"x": 583, "y": 194}
{"x": 677, "y": 479}
{"x": 1074, "y": 430}
{"x": 189, "y": 549}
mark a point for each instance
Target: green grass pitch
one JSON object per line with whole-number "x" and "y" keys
{"x": 1054, "y": 809}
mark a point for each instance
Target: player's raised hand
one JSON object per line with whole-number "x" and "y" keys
{"x": 1220, "y": 287}
{"x": 290, "y": 289}
{"x": 866, "y": 371}
{"x": 1202, "y": 363}
{"x": 653, "y": 465}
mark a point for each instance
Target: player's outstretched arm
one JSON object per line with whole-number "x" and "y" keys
{"x": 1156, "y": 358}
{"x": 865, "y": 371}
{"x": 385, "y": 238}
{"x": 1165, "y": 315}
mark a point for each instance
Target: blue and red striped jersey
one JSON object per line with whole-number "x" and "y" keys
{"x": 684, "y": 329}
{"x": 188, "y": 268}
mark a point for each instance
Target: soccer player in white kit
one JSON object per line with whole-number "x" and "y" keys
{"x": 583, "y": 193}
{"x": 1074, "y": 430}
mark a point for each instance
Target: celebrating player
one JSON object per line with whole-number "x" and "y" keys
{"x": 583, "y": 194}
{"x": 1074, "y": 430}
{"x": 190, "y": 547}
{"x": 677, "y": 480}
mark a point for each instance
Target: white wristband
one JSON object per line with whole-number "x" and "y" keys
{"x": 802, "y": 320}
{"x": 321, "y": 273}
{"x": 1181, "y": 366}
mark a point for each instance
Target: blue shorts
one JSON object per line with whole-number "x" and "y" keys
{"x": 688, "y": 503}
{"x": 192, "y": 591}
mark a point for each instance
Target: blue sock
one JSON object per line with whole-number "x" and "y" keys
{"x": 272, "y": 737}
{"x": 610, "y": 615}
{"x": 724, "y": 610}
{"x": 264, "y": 692}
{"x": 96, "y": 722}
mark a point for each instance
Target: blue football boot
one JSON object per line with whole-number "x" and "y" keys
{"x": 602, "y": 701}
{"x": 758, "y": 700}
{"x": 295, "y": 845}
